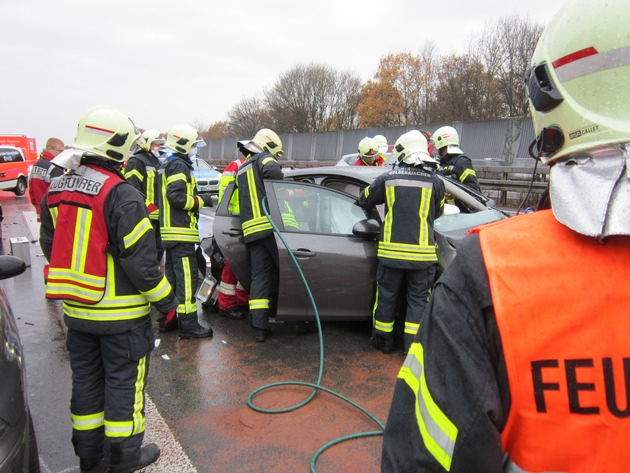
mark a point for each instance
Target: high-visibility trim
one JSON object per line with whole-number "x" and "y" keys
{"x": 138, "y": 405}
{"x": 407, "y": 252}
{"x": 134, "y": 173}
{"x": 423, "y": 214}
{"x": 88, "y": 422}
{"x": 268, "y": 159}
{"x": 104, "y": 314}
{"x": 256, "y": 225}
{"x": 390, "y": 200}
{"x": 176, "y": 177}
{"x": 255, "y": 304}
{"x": 590, "y": 62}
{"x": 180, "y": 234}
{"x": 82, "y": 232}
{"x": 188, "y": 289}
{"x": 289, "y": 221}
{"x": 54, "y": 212}
{"x": 227, "y": 289}
{"x": 467, "y": 173}
{"x": 438, "y": 433}
{"x": 159, "y": 292}
{"x": 387, "y": 327}
{"x": 143, "y": 227}
{"x": 117, "y": 429}
{"x": 86, "y": 287}
{"x": 253, "y": 193}
{"x": 411, "y": 328}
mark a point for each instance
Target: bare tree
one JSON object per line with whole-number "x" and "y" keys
{"x": 313, "y": 98}
{"x": 247, "y": 117}
{"x": 506, "y": 48}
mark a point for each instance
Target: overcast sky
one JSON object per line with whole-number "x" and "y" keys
{"x": 164, "y": 62}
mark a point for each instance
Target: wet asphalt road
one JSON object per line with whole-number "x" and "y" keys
{"x": 197, "y": 390}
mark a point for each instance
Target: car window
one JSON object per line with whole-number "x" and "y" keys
{"x": 8, "y": 155}
{"x": 201, "y": 165}
{"x": 312, "y": 209}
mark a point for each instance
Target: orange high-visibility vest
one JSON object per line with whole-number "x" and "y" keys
{"x": 562, "y": 304}
{"x": 78, "y": 262}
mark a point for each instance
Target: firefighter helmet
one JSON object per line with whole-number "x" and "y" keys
{"x": 578, "y": 87}
{"x": 368, "y": 148}
{"x": 149, "y": 137}
{"x": 382, "y": 143}
{"x": 106, "y": 132}
{"x": 265, "y": 140}
{"x": 447, "y": 136}
{"x": 183, "y": 138}
{"x": 412, "y": 148}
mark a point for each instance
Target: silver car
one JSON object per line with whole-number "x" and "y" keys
{"x": 334, "y": 240}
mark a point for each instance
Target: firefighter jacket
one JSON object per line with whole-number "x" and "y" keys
{"x": 459, "y": 168}
{"x": 39, "y": 177}
{"x": 180, "y": 204}
{"x": 142, "y": 172}
{"x": 379, "y": 161}
{"x": 413, "y": 198}
{"x": 251, "y": 191}
{"x": 96, "y": 234}
{"x": 227, "y": 177}
{"x": 520, "y": 362}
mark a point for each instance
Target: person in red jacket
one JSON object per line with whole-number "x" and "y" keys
{"x": 521, "y": 360}
{"x": 43, "y": 171}
{"x": 369, "y": 154}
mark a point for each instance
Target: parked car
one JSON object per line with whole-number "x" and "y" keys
{"x": 335, "y": 240}
{"x": 206, "y": 177}
{"x": 13, "y": 170}
{"x": 18, "y": 444}
{"x": 351, "y": 159}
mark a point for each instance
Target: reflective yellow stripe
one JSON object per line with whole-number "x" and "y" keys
{"x": 179, "y": 234}
{"x": 54, "y": 212}
{"x": 151, "y": 187}
{"x": 82, "y": 230}
{"x": 466, "y": 173}
{"x": 134, "y": 173}
{"x": 407, "y": 252}
{"x": 256, "y": 225}
{"x": 258, "y": 304}
{"x": 159, "y": 292}
{"x": 253, "y": 195}
{"x": 143, "y": 227}
{"x": 288, "y": 220}
{"x": 87, "y": 422}
{"x": 138, "y": 405}
{"x": 119, "y": 428}
{"x": 390, "y": 198}
{"x": 438, "y": 433}
{"x": 266, "y": 160}
{"x": 188, "y": 292}
{"x": 112, "y": 313}
{"x": 423, "y": 213}
{"x": 386, "y": 327}
{"x": 411, "y": 328}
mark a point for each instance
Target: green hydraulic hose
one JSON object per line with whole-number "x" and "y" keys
{"x": 316, "y": 386}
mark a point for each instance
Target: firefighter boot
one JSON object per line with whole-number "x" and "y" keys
{"x": 92, "y": 465}
{"x": 148, "y": 454}
{"x": 382, "y": 342}
{"x": 189, "y": 327}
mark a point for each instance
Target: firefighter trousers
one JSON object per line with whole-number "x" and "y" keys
{"x": 231, "y": 293}
{"x": 264, "y": 281}
{"x": 182, "y": 272}
{"x": 392, "y": 284}
{"x": 108, "y": 380}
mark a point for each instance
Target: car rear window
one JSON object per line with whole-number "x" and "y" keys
{"x": 8, "y": 155}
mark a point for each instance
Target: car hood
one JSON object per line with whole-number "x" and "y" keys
{"x": 206, "y": 174}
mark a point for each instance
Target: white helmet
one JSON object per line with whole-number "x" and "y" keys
{"x": 412, "y": 148}
{"x": 447, "y": 136}
{"x": 265, "y": 140}
{"x": 382, "y": 143}
{"x": 106, "y": 132}
{"x": 368, "y": 148}
{"x": 150, "y": 137}
{"x": 183, "y": 138}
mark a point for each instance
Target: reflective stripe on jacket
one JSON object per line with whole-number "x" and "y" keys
{"x": 141, "y": 172}
{"x": 180, "y": 204}
{"x": 565, "y": 333}
{"x": 227, "y": 177}
{"x": 413, "y": 199}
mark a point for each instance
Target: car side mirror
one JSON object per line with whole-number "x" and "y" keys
{"x": 11, "y": 266}
{"x": 367, "y": 228}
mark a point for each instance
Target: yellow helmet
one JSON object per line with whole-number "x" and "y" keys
{"x": 382, "y": 143}
{"x": 182, "y": 138}
{"x": 368, "y": 148}
{"x": 265, "y": 140}
{"x": 106, "y": 132}
{"x": 148, "y": 137}
{"x": 412, "y": 148}
{"x": 578, "y": 86}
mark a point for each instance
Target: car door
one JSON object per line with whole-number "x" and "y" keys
{"x": 316, "y": 224}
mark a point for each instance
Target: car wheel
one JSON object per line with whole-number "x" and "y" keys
{"x": 20, "y": 188}
{"x": 33, "y": 451}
